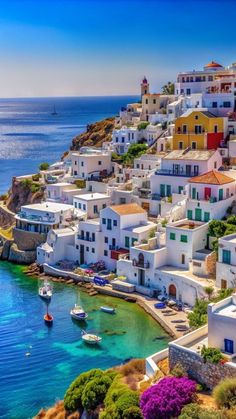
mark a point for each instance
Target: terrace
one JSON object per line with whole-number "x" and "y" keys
{"x": 172, "y": 172}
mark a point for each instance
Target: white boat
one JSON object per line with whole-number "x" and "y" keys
{"x": 90, "y": 338}
{"x": 45, "y": 291}
{"x": 78, "y": 313}
{"x": 109, "y": 310}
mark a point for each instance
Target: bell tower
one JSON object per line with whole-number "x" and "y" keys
{"x": 144, "y": 87}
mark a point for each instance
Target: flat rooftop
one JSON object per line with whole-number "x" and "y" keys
{"x": 186, "y": 224}
{"x": 47, "y": 206}
{"x": 229, "y": 238}
{"x": 92, "y": 196}
{"x": 227, "y": 311}
{"x": 173, "y": 270}
{"x": 189, "y": 155}
{"x": 140, "y": 228}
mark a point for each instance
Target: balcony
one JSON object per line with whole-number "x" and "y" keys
{"x": 141, "y": 264}
{"x": 181, "y": 172}
{"x": 85, "y": 238}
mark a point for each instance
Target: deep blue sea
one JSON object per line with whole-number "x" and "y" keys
{"x": 30, "y": 134}
{"x": 58, "y": 355}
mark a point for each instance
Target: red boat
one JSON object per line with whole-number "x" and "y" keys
{"x": 48, "y": 318}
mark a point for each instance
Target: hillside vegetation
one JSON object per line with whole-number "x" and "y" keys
{"x": 96, "y": 134}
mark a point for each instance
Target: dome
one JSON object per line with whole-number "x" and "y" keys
{"x": 213, "y": 64}
{"x": 145, "y": 80}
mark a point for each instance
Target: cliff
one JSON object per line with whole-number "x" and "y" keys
{"x": 22, "y": 192}
{"x": 96, "y": 134}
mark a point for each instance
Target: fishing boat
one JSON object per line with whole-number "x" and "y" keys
{"x": 78, "y": 313}
{"x": 45, "y": 292}
{"x": 54, "y": 112}
{"x": 90, "y": 338}
{"x": 109, "y": 310}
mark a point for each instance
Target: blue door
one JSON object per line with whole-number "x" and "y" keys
{"x": 229, "y": 346}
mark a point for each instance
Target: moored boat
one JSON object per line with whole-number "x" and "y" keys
{"x": 48, "y": 318}
{"x": 109, "y": 310}
{"x": 90, "y": 338}
{"x": 45, "y": 291}
{"x": 78, "y": 313}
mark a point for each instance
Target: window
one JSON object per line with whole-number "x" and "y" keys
{"x": 226, "y": 256}
{"x": 195, "y": 170}
{"x": 87, "y": 249}
{"x": 105, "y": 253}
{"x": 188, "y": 91}
{"x": 105, "y": 239}
{"x": 168, "y": 190}
{"x": 82, "y": 163}
{"x": 99, "y": 163}
{"x": 193, "y": 193}
{"x": 75, "y": 204}
{"x": 184, "y": 238}
{"x": 215, "y": 165}
{"x": 109, "y": 227}
{"x": 190, "y": 214}
{"x": 223, "y": 284}
{"x": 84, "y": 207}
{"x": 126, "y": 241}
{"x": 181, "y": 145}
{"x": 93, "y": 237}
{"x": 133, "y": 240}
{"x": 226, "y": 104}
{"x": 214, "y": 104}
{"x": 115, "y": 223}
{"x": 183, "y": 259}
{"x": 104, "y": 221}
{"x": 75, "y": 162}
{"x": 198, "y": 129}
{"x": 220, "y": 194}
{"x": 82, "y": 174}
{"x": 93, "y": 250}
{"x": 146, "y": 101}
{"x": 185, "y": 129}
{"x": 77, "y": 246}
{"x": 79, "y": 205}
{"x": 154, "y": 101}
{"x": 210, "y": 78}
{"x": 75, "y": 172}
{"x": 95, "y": 209}
{"x": 215, "y": 129}
{"x": 104, "y": 206}
{"x": 194, "y": 145}
{"x": 206, "y": 216}
{"x": 196, "y": 116}
{"x": 180, "y": 189}
{"x": 172, "y": 236}
{"x": 162, "y": 190}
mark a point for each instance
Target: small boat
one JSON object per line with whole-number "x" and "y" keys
{"x": 54, "y": 112}
{"x": 48, "y": 318}
{"x": 160, "y": 305}
{"x": 90, "y": 338}
{"x": 130, "y": 299}
{"x": 78, "y": 313}
{"x": 109, "y": 310}
{"x": 45, "y": 292}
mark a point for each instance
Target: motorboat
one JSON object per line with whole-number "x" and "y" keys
{"x": 78, "y": 313}
{"x": 109, "y": 310}
{"x": 45, "y": 291}
{"x": 48, "y": 318}
{"x": 90, "y": 338}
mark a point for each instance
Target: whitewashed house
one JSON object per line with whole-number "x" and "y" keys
{"x": 106, "y": 238}
{"x": 124, "y": 137}
{"x": 60, "y": 245}
{"x": 89, "y": 163}
{"x": 226, "y": 265}
{"x": 210, "y": 195}
{"x": 91, "y": 203}
{"x": 61, "y": 192}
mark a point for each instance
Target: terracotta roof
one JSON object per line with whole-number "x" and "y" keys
{"x": 213, "y": 64}
{"x": 127, "y": 209}
{"x": 212, "y": 178}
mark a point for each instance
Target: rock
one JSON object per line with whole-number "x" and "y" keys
{"x": 21, "y": 256}
{"x": 6, "y": 249}
{"x": 95, "y": 135}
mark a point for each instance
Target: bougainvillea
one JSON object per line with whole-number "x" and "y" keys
{"x": 166, "y": 399}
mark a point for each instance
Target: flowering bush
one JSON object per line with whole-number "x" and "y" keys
{"x": 166, "y": 399}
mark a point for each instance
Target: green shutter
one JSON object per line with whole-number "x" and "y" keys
{"x": 126, "y": 241}
{"x": 181, "y": 188}
{"x": 193, "y": 193}
{"x": 220, "y": 194}
{"x": 168, "y": 190}
{"x": 172, "y": 236}
{"x": 206, "y": 216}
{"x": 198, "y": 214}
{"x": 163, "y": 190}
{"x": 184, "y": 238}
{"x": 190, "y": 214}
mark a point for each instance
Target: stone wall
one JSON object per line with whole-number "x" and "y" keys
{"x": 27, "y": 240}
{"x": 205, "y": 373}
{"x": 211, "y": 264}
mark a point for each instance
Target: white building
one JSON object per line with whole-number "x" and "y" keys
{"x": 60, "y": 245}
{"x": 124, "y": 137}
{"x": 91, "y": 163}
{"x": 210, "y": 195}
{"x": 226, "y": 265}
{"x": 91, "y": 203}
{"x": 61, "y": 192}
{"x": 215, "y": 82}
{"x": 106, "y": 238}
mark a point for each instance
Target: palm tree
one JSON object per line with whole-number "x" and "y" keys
{"x": 168, "y": 89}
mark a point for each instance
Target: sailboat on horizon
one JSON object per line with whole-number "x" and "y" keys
{"x": 54, "y": 111}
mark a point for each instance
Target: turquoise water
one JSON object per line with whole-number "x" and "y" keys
{"x": 58, "y": 354}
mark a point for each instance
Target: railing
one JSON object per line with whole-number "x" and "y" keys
{"x": 32, "y": 217}
{"x": 86, "y": 238}
{"x": 172, "y": 172}
{"x": 141, "y": 264}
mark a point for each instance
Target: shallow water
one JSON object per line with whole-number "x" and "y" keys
{"x": 58, "y": 355}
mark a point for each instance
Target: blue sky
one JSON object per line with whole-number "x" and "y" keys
{"x": 104, "y": 47}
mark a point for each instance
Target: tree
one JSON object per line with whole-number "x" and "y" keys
{"x": 194, "y": 411}
{"x": 225, "y": 393}
{"x": 209, "y": 291}
{"x": 44, "y": 166}
{"x": 95, "y": 391}
{"x": 198, "y": 317}
{"x": 165, "y": 399}
{"x": 168, "y": 89}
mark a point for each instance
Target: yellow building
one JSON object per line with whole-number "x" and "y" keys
{"x": 198, "y": 129}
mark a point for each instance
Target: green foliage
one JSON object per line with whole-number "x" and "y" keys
{"x": 44, "y": 166}
{"x": 194, "y": 411}
{"x": 73, "y": 396}
{"x": 3, "y": 197}
{"x": 151, "y": 233}
{"x": 209, "y": 291}
{"x": 26, "y": 183}
{"x": 225, "y": 393}
{"x": 231, "y": 219}
{"x": 95, "y": 391}
{"x": 164, "y": 222}
{"x": 221, "y": 294}
{"x": 135, "y": 150}
{"x": 168, "y": 89}
{"x": 198, "y": 317}
{"x": 143, "y": 125}
{"x": 132, "y": 412}
{"x": 115, "y": 156}
{"x": 217, "y": 228}
{"x": 36, "y": 177}
{"x": 212, "y": 355}
{"x": 80, "y": 183}
{"x": 128, "y": 399}
{"x": 178, "y": 371}
{"x": 35, "y": 187}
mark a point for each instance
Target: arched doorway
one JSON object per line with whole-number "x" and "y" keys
{"x": 172, "y": 290}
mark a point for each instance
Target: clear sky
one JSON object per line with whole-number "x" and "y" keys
{"x": 104, "y": 47}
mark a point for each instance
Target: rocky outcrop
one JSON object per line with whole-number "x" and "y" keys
{"x": 56, "y": 412}
{"x": 28, "y": 240}
{"x": 22, "y": 193}
{"x": 96, "y": 134}
{"x": 22, "y": 257}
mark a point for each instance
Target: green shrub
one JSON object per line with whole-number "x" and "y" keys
{"x": 198, "y": 317}
{"x": 194, "y": 411}
{"x": 80, "y": 183}
{"x": 26, "y": 183}
{"x": 231, "y": 220}
{"x": 178, "y": 371}
{"x": 142, "y": 125}
{"x": 128, "y": 399}
{"x": 35, "y": 187}
{"x": 73, "y": 396}
{"x": 132, "y": 412}
{"x": 212, "y": 355}
{"x": 135, "y": 151}
{"x": 152, "y": 233}
{"x": 225, "y": 393}
{"x": 44, "y": 166}
{"x": 36, "y": 177}
{"x": 95, "y": 391}
{"x": 209, "y": 291}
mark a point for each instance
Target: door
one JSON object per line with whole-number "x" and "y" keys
{"x": 198, "y": 214}
{"x": 172, "y": 291}
{"x": 81, "y": 254}
{"x": 193, "y": 193}
{"x": 229, "y": 346}
{"x": 188, "y": 169}
{"x": 183, "y": 259}
{"x": 162, "y": 190}
{"x": 207, "y": 193}
{"x": 141, "y": 277}
{"x": 168, "y": 190}
{"x": 220, "y": 194}
{"x": 223, "y": 284}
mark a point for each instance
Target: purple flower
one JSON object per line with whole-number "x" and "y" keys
{"x": 166, "y": 399}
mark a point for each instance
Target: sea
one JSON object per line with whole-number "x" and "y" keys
{"x": 30, "y": 134}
